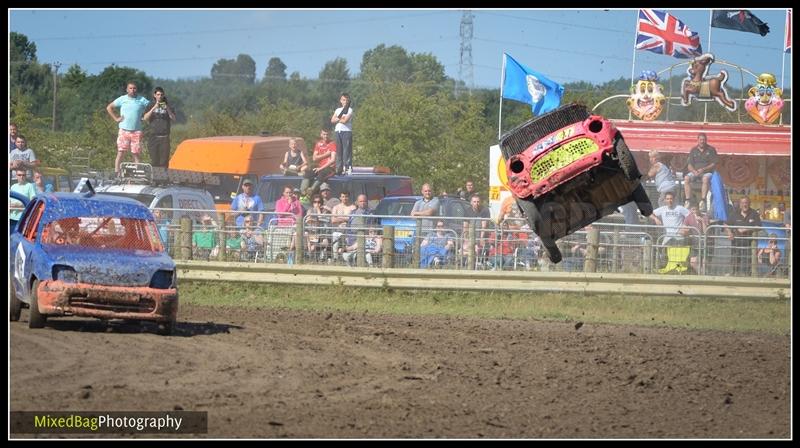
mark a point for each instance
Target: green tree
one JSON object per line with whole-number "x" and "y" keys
{"x": 242, "y": 69}
{"x": 276, "y": 70}
{"x": 334, "y": 78}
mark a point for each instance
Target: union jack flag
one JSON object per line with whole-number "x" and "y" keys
{"x": 662, "y": 33}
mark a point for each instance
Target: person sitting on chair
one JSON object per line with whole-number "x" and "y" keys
{"x": 769, "y": 258}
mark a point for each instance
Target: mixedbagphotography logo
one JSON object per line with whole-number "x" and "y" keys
{"x": 168, "y": 422}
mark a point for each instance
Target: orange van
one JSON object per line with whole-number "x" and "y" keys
{"x": 232, "y": 158}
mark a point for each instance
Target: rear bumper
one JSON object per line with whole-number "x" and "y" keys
{"x": 107, "y": 302}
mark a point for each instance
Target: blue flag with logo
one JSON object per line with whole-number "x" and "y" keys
{"x": 520, "y": 83}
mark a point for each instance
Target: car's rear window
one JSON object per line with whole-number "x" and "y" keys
{"x": 106, "y": 232}
{"x": 394, "y": 208}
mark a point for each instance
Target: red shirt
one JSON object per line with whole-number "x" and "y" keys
{"x": 324, "y": 148}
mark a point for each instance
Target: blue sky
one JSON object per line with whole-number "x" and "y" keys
{"x": 567, "y": 45}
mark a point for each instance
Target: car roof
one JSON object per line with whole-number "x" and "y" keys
{"x": 354, "y": 176}
{"x": 67, "y": 205}
{"x": 145, "y": 188}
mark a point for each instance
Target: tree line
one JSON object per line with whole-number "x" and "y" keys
{"x": 408, "y": 116}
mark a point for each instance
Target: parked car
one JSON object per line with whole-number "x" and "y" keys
{"x": 185, "y": 200}
{"x": 405, "y": 228}
{"x": 568, "y": 169}
{"x": 375, "y": 186}
{"x": 92, "y": 256}
{"x": 59, "y": 178}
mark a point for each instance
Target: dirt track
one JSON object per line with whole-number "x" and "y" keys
{"x": 276, "y": 373}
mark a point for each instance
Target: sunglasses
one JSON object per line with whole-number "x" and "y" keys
{"x": 317, "y": 202}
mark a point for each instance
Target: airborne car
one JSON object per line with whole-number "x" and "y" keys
{"x": 93, "y": 256}
{"x": 568, "y": 169}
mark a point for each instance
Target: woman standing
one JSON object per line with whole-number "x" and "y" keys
{"x": 343, "y": 118}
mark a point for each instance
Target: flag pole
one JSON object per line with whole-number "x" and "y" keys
{"x": 710, "y": 19}
{"x": 502, "y": 81}
{"x": 633, "y": 64}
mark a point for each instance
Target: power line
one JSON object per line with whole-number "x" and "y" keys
{"x": 233, "y": 30}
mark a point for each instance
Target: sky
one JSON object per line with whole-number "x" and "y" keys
{"x": 565, "y": 45}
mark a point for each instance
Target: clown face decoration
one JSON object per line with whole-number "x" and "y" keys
{"x": 765, "y": 103}
{"x": 646, "y": 100}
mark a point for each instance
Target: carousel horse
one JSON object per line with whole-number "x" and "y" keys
{"x": 703, "y": 88}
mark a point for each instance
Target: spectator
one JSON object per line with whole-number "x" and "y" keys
{"x": 665, "y": 180}
{"x": 769, "y": 258}
{"x": 481, "y": 216}
{"x": 23, "y": 157}
{"x": 427, "y": 206}
{"x": 328, "y": 202}
{"x": 252, "y": 240}
{"x": 343, "y": 118}
{"x": 289, "y": 203}
{"x": 163, "y": 227}
{"x": 741, "y": 236}
{"x": 340, "y": 217}
{"x": 160, "y": 117}
{"x": 437, "y": 248}
{"x": 38, "y": 182}
{"x": 511, "y": 213}
{"x": 702, "y": 162}
{"x": 305, "y": 200}
{"x": 318, "y": 242}
{"x": 204, "y": 241}
{"x": 131, "y": 109}
{"x": 324, "y": 158}
{"x": 468, "y": 191}
{"x": 671, "y": 217}
{"x": 694, "y": 226}
{"x": 12, "y": 136}
{"x": 501, "y": 254}
{"x": 357, "y": 221}
{"x": 294, "y": 161}
{"x": 318, "y": 209}
{"x": 247, "y": 202}
{"x": 372, "y": 249}
{"x": 24, "y": 188}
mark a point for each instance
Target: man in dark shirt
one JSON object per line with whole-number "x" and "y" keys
{"x": 702, "y": 162}
{"x": 741, "y": 236}
{"x": 160, "y": 116}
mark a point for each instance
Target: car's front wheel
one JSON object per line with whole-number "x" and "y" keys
{"x": 642, "y": 201}
{"x": 15, "y": 307}
{"x": 36, "y": 319}
{"x": 166, "y": 328}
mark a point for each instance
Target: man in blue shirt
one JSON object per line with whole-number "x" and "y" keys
{"x": 131, "y": 109}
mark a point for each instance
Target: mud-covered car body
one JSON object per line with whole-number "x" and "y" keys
{"x": 93, "y": 256}
{"x": 567, "y": 169}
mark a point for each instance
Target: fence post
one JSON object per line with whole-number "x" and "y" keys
{"x": 471, "y": 251}
{"x": 615, "y": 251}
{"x": 647, "y": 256}
{"x": 361, "y": 251}
{"x": 186, "y": 238}
{"x": 298, "y": 241}
{"x": 592, "y": 240}
{"x": 417, "y": 241}
{"x": 754, "y": 257}
{"x": 222, "y": 239}
{"x": 388, "y": 246}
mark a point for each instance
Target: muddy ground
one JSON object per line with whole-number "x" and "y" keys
{"x": 294, "y": 374}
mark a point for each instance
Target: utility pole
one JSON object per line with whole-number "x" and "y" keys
{"x": 55, "y": 91}
{"x": 465, "y": 73}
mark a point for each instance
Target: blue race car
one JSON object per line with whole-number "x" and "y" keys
{"x": 93, "y": 256}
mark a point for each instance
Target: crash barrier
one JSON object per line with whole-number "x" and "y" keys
{"x": 509, "y": 281}
{"x": 476, "y": 244}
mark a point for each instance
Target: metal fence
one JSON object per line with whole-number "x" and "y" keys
{"x": 474, "y": 244}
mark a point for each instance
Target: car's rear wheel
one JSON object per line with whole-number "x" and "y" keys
{"x": 15, "y": 307}
{"x": 36, "y": 319}
{"x": 639, "y": 196}
{"x": 626, "y": 160}
{"x": 530, "y": 211}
